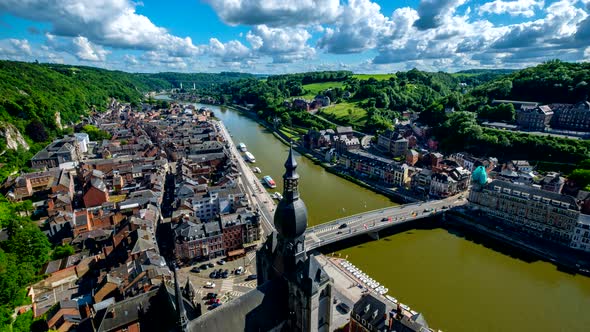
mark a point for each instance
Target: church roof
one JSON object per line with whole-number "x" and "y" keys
{"x": 313, "y": 275}
{"x": 260, "y": 309}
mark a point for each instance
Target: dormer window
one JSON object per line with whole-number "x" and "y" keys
{"x": 367, "y": 308}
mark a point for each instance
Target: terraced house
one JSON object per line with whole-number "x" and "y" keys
{"x": 544, "y": 214}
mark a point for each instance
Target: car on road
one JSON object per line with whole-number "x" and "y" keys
{"x": 213, "y": 274}
{"x": 225, "y": 274}
{"x": 195, "y": 269}
{"x": 211, "y": 296}
{"x": 343, "y": 226}
{"x": 239, "y": 270}
{"x": 221, "y": 262}
{"x": 209, "y": 284}
{"x": 251, "y": 277}
{"x": 427, "y": 210}
{"x": 211, "y": 265}
{"x": 204, "y": 267}
{"x": 344, "y": 307}
{"x": 385, "y": 219}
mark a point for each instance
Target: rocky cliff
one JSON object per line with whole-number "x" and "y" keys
{"x": 13, "y": 137}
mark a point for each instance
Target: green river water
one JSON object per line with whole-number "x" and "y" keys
{"x": 459, "y": 283}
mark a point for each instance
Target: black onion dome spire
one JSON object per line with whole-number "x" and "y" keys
{"x": 291, "y": 215}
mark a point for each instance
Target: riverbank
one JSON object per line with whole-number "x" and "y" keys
{"x": 565, "y": 259}
{"x": 398, "y": 197}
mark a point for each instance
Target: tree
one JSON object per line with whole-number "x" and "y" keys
{"x": 581, "y": 177}
{"x": 62, "y": 251}
{"x": 36, "y": 131}
{"x": 95, "y": 134}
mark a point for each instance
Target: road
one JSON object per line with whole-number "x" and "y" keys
{"x": 253, "y": 188}
{"x": 374, "y": 221}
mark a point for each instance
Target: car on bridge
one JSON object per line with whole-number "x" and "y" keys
{"x": 344, "y": 225}
{"x": 385, "y": 219}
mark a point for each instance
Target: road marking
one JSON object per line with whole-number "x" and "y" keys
{"x": 227, "y": 285}
{"x": 248, "y": 284}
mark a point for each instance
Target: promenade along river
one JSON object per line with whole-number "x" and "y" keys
{"x": 460, "y": 284}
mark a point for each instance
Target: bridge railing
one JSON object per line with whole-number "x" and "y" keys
{"x": 356, "y": 216}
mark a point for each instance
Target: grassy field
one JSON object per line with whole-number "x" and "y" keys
{"x": 345, "y": 113}
{"x": 312, "y": 90}
{"x": 378, "y": 77}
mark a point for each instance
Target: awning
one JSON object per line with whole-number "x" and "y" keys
{"x": 236, "y": 252}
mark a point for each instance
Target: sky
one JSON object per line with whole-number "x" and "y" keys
{"x": 285, "y": 36}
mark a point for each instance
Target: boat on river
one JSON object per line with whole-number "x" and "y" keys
{"x": 242, "y": 147}
{"x": 256, "y": 170}
{"x": 277, "y": 196}
{"x": 269, "y": 181}
{"x": 250, "y": 157}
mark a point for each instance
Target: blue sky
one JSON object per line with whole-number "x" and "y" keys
{"x": 278, "y": 36}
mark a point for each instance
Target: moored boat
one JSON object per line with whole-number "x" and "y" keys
{"x": 269, "y": 181}
{"x": 250, "y": 157}
{"x": 242, "y": 147}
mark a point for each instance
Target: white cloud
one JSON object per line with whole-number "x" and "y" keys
{"x": 358, "y": 27}
{"x": 276, "y": 12}
{"x": 162, "y": 60}
{"x": 524, "y": 8}
{"x": 284, "y": 45}
{"x": 434, "y": 13}
{"x": 85, "y": 50}
{"x": 232, "y": 51}
{"x": 111, "y": 23}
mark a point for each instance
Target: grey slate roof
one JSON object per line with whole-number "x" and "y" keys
{"x": 534, "y": 191}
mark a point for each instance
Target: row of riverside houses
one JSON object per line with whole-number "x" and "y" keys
{"x": 547, "y": 205}
{"x": 426, "y": 173}
{"x": 211, "y": 215}
{"x": 106, "y": 200}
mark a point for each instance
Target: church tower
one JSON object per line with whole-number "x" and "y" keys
{"x": 283, "y": 258}
{"x": 290, "y": 220}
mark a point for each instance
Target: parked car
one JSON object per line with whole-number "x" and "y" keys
{"x": 204, "y": 267}
{"x": 209, "y": 284}
{"x": 211, "y": 296}
{"x": 212, "y": 301}
{"x": 211, "y": 265}
{"x": 343, "y": 226}
{"x": 344, "y": 307}
{"x": 212, "y": 274}
{"x": 251, "y": 277}
{"x": 221, "y": 262}
{"x": 195, "y": 270}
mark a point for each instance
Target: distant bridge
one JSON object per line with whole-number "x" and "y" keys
{"x": 374, "y": 221}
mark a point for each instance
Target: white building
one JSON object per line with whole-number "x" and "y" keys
{"x": 581, "y": 234}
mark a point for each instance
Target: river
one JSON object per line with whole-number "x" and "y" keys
{"x": 459, "y": 282}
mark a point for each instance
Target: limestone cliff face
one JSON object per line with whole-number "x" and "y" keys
{"x": 13, "y": 137}
{"x": 58, "y": 120}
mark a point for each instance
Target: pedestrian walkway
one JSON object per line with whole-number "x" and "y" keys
{"x": 251, "y": 256}
{"x": 227, "y": 285}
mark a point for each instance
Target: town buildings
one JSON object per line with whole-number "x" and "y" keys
{"x": 571, "y": 116}
{"x": 393, "y": 143}
{"x": 535, "y": 119}
{"x": 541, "y": 213}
